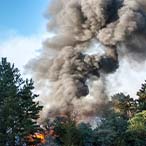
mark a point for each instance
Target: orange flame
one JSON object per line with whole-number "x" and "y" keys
{"x": 42, "y": 136}
{"x": 39, "y": 136}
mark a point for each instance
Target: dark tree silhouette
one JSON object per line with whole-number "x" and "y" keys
{"x": 18, "y": 110}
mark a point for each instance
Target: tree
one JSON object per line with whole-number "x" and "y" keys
{"x": 66, "y": 129}
{"x": 110, "y": 132}
{"x": 136, "y": 132}
{"x": 142, "y": 97}
{"x": 114, "y": 121}
{"x": 86, "y": 134}
{"x": 138, "y": 122}
{"x": 124, "y": 105}
{"x": 134, "y": 138}
{"x": 18, "y": 110}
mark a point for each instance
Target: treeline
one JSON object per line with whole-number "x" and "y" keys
{"x": 18, "y": 111}
{"x": 121, "y": 122}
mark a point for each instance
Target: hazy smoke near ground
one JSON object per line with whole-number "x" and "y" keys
{"x": 77, "y": 78}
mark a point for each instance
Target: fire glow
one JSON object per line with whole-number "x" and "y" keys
{"x": 38, "y": 136}
{"x": 42, "y": 136}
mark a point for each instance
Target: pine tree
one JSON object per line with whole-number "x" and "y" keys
{"x": 142, "y": 97}
{"x": 18, "y": 111}
{"x": 124, "y": 105}
{"x": 135, "y": 135}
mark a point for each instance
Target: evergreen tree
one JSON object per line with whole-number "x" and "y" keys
{"x": 18, "y": 111}
{"x": 142, "y": 97}
{"x": 138, "y": 122}
{"x": 114, "y": 121}
{"x": 124, "y": 105}
{"x": 110, "y": 132}
{"x": 66, "y": 129}
{"x": 86, "y": 134}
{"x": 135, "y": 135}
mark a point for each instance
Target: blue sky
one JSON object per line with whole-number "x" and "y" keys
{"x": 23, "y": 16}
{"x": 22, "y": 29}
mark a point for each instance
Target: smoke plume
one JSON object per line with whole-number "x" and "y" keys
{"x": 75, "y": 79}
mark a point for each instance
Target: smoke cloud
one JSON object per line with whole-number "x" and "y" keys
{"x": 76, "y": 78}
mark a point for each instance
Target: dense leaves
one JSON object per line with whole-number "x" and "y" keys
{"x": 122, "y": 123}
{"x": 18, "y": 111}
{"x": 142, "y": 97}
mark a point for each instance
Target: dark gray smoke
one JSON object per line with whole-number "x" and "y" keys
{"x": 78, "y": 79}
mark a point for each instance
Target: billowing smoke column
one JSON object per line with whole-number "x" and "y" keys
{"x": 77, "y": 79}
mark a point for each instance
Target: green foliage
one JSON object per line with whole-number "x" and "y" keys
{"x": 138, "y": 122}
{"x": 124, "y": 105}
{"x": 86, "y": 134}
{"x": 135, "y": 135}
{"x": 115, "y": 121}
{"x": 134, "y": 138}
{"x": 111, "y": 130}
{"x": 142, "y": 97}
{"x": 68, "y": 134}
{"x": 18, "y": 111}
{"x": 122, "y": 123}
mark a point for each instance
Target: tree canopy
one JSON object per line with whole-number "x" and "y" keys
{"x": 18, "y": 110}
{"x": 122, "y": 119}
{"x": 122, "y": 123}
